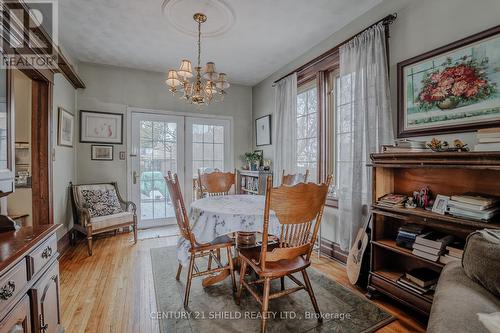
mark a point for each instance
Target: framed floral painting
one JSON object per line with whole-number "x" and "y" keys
{"x": 451, "y": 89}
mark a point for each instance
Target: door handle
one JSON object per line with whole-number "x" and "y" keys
{"x": 134, "y": 177}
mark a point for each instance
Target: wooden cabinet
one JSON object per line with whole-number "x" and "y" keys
{"x": 45, "y": 302}
{"x": 29, "y": 281}
{"x": 18, "y": 320}
{"x": 443, "y": 173}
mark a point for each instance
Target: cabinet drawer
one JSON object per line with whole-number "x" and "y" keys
{"x": 40, "y": 256}
{"x": 18, "y": 320}
{"x": 12, "y": 283}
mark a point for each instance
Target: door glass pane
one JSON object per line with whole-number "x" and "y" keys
{"x": 208, "y": 148}
{"x": 158, "y": 155}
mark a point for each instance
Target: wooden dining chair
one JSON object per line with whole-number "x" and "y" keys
{"x": 216, "y": 183}
{"x": 198, "y": 250}
{"x": 294, "y": 179}
{"x": 299, "y": 210}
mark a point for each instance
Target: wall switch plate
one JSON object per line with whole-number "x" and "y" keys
{"x": 122, "y": 155}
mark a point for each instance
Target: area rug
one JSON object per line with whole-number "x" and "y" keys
{"x": 213, "y": 309}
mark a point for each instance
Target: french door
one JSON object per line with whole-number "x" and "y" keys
{"x": 157, "y": 147}
{"x": 180, "y": 144}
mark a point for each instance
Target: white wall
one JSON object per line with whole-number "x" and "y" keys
{"x": 421, "y": 26}
{"x": 64, "y": 165}
{"x": 113, "y": 89}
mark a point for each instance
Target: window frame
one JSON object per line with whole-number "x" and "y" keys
{"x": 321, "y": 72}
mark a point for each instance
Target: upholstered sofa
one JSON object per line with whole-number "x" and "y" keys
{"x": 99, "y": 208}
{"x": 469, "y": 287}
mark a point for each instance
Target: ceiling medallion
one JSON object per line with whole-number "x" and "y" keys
{"x": 202, "y": 86}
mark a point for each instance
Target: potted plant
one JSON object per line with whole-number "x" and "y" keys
{"x": 253, "y": 160}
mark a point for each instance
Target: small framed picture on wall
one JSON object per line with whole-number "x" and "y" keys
{"x": 102, "y": 153}
{"x": 263, "y": 131}
{"x": 65, "y": 128}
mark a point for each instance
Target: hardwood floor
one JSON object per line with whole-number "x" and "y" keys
{"x": 113, "y": 290}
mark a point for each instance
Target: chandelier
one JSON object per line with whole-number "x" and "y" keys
{"x": 200, "y": 87}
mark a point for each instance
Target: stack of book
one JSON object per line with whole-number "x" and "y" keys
{"x": 407, "y": 235}
{"x": 419, "y": 280}
{"x": 431, "y": 245}
{"x": 475, "y": 206}
{"x": 454, "y": 252}
{"x": 488, "y": 139}
{"x": 392, "y": 200}
{"x": 406, "y": 146}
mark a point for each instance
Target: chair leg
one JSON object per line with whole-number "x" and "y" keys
{"x": 231, "y": 267}
{"x": 89, "y": 239}
{"x": 311, "y": 295}
{"x": 178, "y": 275}
{"x": 282, "y": 282}
{"x": 188, "y": 284}
{"x": 243, "y": 268}
{"x": 72, "y": 238}
{"x": 135, "y": 229}
{"x": 265, "y": 305}
{"x": 89, "y": 245}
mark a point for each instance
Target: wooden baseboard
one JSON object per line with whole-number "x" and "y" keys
{"x": 63, "y": 244}
{"x": 333, "y": 251}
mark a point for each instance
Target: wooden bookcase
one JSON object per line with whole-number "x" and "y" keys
{"x": 403, "y": 173}
{"x": 252, "y": 182}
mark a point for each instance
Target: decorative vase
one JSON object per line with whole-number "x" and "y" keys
{"x": 253, "y": 166}
{"x": 448, "y": 104}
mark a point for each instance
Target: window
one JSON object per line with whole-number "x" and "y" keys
{"x": 307, "y": 130}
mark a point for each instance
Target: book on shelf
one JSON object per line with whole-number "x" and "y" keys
{"x": 392, "y": 200}
{"x": 467, "y": 206}
{"x": 428, "y": 249}
{"x": 456, "y": 249}
{"x": 423, "y": 277}
{"x": 434, "y": 239}
{"x": 406, "y": 283}
{"x": 488, "y": 139}
{"x": 488, "y": 133}
{"x": 484, "y": 215}
{"x": 407, "y": 234}
{"x": 396, "y": 149}
{"x": 492, "y": 146}
{"x": 478, "y": 199}
{"x": 425, "y": 255}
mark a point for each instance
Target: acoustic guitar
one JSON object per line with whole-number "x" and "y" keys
{"x": 355, "y": 258}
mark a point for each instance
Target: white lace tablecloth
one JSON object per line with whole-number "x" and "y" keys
{"x": 221, "y": 215}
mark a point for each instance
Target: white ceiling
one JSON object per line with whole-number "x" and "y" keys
{"x": 261, "y": 35}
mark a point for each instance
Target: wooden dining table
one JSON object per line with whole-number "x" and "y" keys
{"x": 215, "y": 216}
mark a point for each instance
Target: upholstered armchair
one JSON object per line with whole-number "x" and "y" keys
{"x": 99, "y": 208}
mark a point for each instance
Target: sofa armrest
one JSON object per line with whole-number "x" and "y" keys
{"x": 83, "y": 216}
{"x": 129, "y": 204}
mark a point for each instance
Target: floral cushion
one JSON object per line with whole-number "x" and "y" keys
{"x": 101, "y": 202}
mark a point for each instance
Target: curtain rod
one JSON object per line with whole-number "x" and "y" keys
{"x": 388, "y": 20}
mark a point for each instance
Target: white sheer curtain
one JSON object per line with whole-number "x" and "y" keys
{"x": 284, "y": 134}
{"x": 364, "y": 123}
